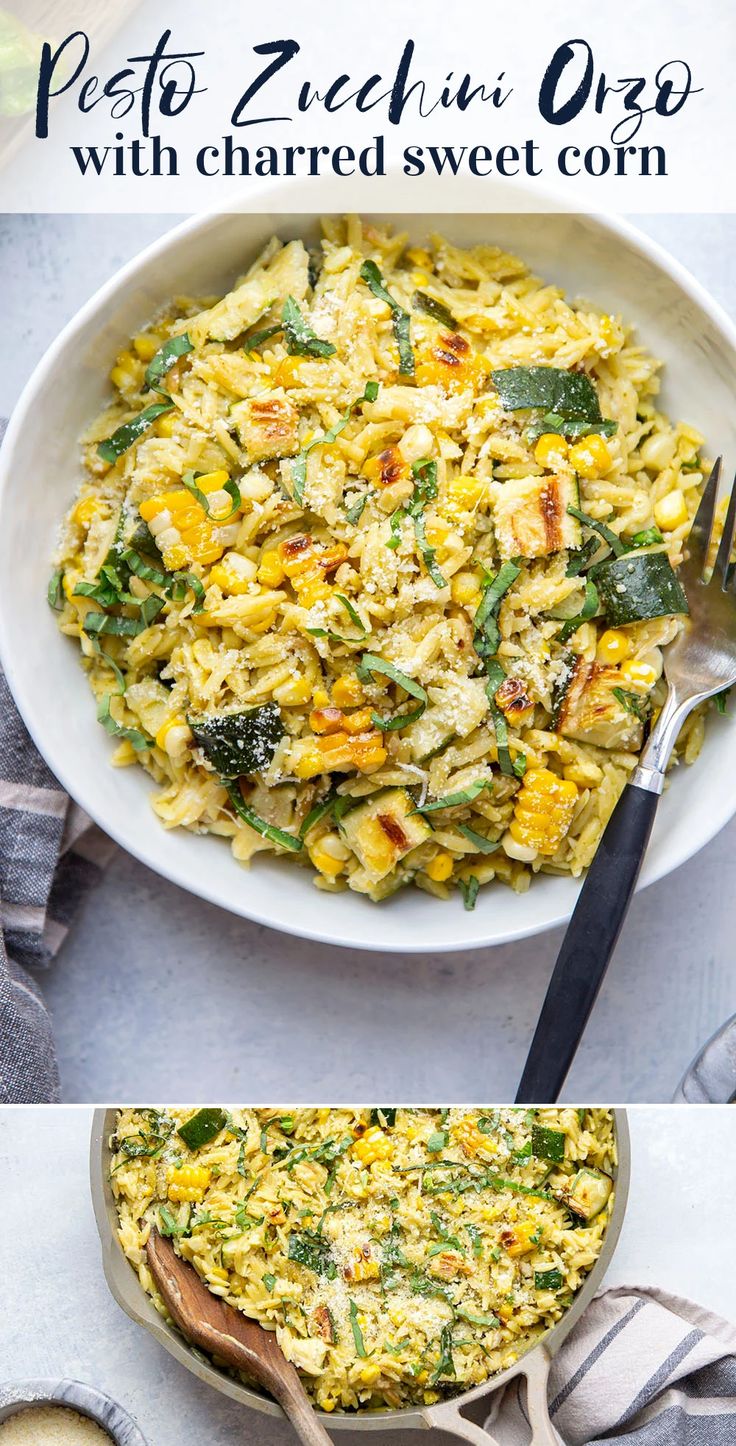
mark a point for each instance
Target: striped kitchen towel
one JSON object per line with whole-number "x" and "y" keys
{"x": 50, "y": 855}
{"x": 641, "y": 1368}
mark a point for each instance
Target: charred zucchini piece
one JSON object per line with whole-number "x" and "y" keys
{"x": 240, "y": 743}
{"x": 383, "y": 830}
{"x": 588, "y": 710}
{"x": 202, "y": 1128}
{"x": 588, "y": 1193}
{"x": 548, "y": 1144}
{"x": 639, "y": 585}
{"x": 531, "y": 518}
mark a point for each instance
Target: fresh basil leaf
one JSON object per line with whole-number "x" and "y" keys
{"x": 421, "y": 301}
{"x": 591, "y": 603}
{"x": 570, "y": 427}
{"x": 301, "y": 340}
{"x": 469, "y": 889}
{"x": 357, "y": 1332}
{"x": 257, "y": 337}
{"x": 189, "y": 480}
{"x": 721, "y": 701}
{"x": 631, "y": 702}
{"x": 373, "y": 279}
{"x": 125, "y": 436}
{"x": 649, "y": 537}
{"x": 445, "y": 1366}
{"x": 481, "y": 844}
{"x": 299, "y": 465}
{"x": 308, "y": 1248}
{"x": 133, "y": 736}
{"x": 353, "y": 514}
{"x": 55, "y": 590}
{"x": 547, "y": 1280}
{"x": 395, "y": 522}
{"x": 319, "y": 811}
{"x": 579, "y": 557}
{"x": 452, "y": 800}
{"x": 254, "y": 821}
{"x": 428, "y": 552}
{"x": 616, "y": 545}
{"x": 165, "y": 358}
{"x": 477, "y": 1318}
{"x": 269, "y": 1281}
{"x": 437, "y": 1141}
{"x": 369, "y": 664}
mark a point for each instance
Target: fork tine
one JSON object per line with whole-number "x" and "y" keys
{"x": 699, "y": 537}
{"x": 725, "y": 546}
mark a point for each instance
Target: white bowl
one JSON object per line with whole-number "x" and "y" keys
{"x": 601, "y": 259}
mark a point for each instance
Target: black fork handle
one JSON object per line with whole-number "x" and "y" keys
{"x": 588, "y": 945}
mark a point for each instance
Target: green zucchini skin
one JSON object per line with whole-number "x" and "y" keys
{"x": 202, "y": 1128}
{"x": 639, "y": 585}
{"x": 242, "y": 743}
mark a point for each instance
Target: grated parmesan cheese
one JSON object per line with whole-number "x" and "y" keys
{"x": 51, "y": 1426}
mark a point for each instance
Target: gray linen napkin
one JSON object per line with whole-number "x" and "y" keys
{"x": 50, "y": 855}
{"x": 641, "y": 1368}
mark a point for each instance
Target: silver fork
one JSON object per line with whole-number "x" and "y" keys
{"x": 700, "y": 662}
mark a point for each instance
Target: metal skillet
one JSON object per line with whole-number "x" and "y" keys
{"x": 458, "y": 1416}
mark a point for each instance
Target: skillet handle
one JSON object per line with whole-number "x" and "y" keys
{"x": 447, "y": 1417}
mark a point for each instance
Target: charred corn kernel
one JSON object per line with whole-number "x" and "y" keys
{"x": 145, "y": 345}
{"x": 470, "y": 1138}
{"x": 453, "y": 365}
{"x": 86, "y": 509}
{"x": 550, "y": 449}
{"x": 448, "y": 1264}
{"x": 306, "y": 565}
{"x": 362, "y": 1268}
{"x": 419, "y": 257}
{"x": 347, "y": 691}
{"x": 174, "y": 735}
{"x": 519, "y": 1240}
{"x": 514, "y": 701}
{"x": 293, "y": 692}
{"x": 613, "y": 646}
{"x": 270, "y": 570}
{"x": 387, "y": 467}
{"x": 320, "y": 697}
{"x": 440, "y": 867}
{"x": 373, "y": 1145}
{"x": 184, "y": 532}
{"x": 639, "y": 673}
{"x": 590, "y": 457}
{"x": 464, "y": 589}
{"x": 543, "y": 811}
{"x": 369, "y": 1375}
{"x": 671, "y": 511}
{"x": 339, "y": 750}
{"x": 164, "y": 426}
{"x": 188, "y": 1183}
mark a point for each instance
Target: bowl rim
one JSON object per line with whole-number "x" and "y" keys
{"x": 127, "y": 1291}
{"x": 273, "y": 199}
{"x": 90, "y": 1401}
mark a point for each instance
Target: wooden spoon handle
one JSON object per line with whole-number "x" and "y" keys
{"x": 295, "y": 1405}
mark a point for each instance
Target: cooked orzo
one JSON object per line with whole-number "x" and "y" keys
{"x": 399, "y": 1254}
{"x": 373, "y": 563}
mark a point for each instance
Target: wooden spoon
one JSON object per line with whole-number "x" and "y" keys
{"x": 213, "y": 1325}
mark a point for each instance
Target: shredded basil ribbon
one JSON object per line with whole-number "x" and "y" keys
{"x": 469, "y": 889}
{"x": 357, "y": 1332}
{"x": 353, "y": 514}
{"x": 434, "y": 308}
{"x": 631, "y": 702}
{"x": 55, "y": 590}
{"x": 373, "y": 279}
{"x": 164, "y": 360}
{"x": 233, "y": 491}
{"x": 354, "y": 618}
{"x": 371, "y": 664}
{"x": 617, "y": 547}
{"x": 320, "y": 811}
{"x": 481, "y": 844}
{"x": 301, "y": 340}
{"x": 117, "y": 730}
{"x": 254, "y": 820}
{"x": 425, "y": 490}
{"x": 588, "y": 610}
{"x": 114, "y": 446}
{"x": 453, "y": 800}
{"x": 299, "y": 465}
{"x": 485, "y": 641}
{"x": 264, "y": 335}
